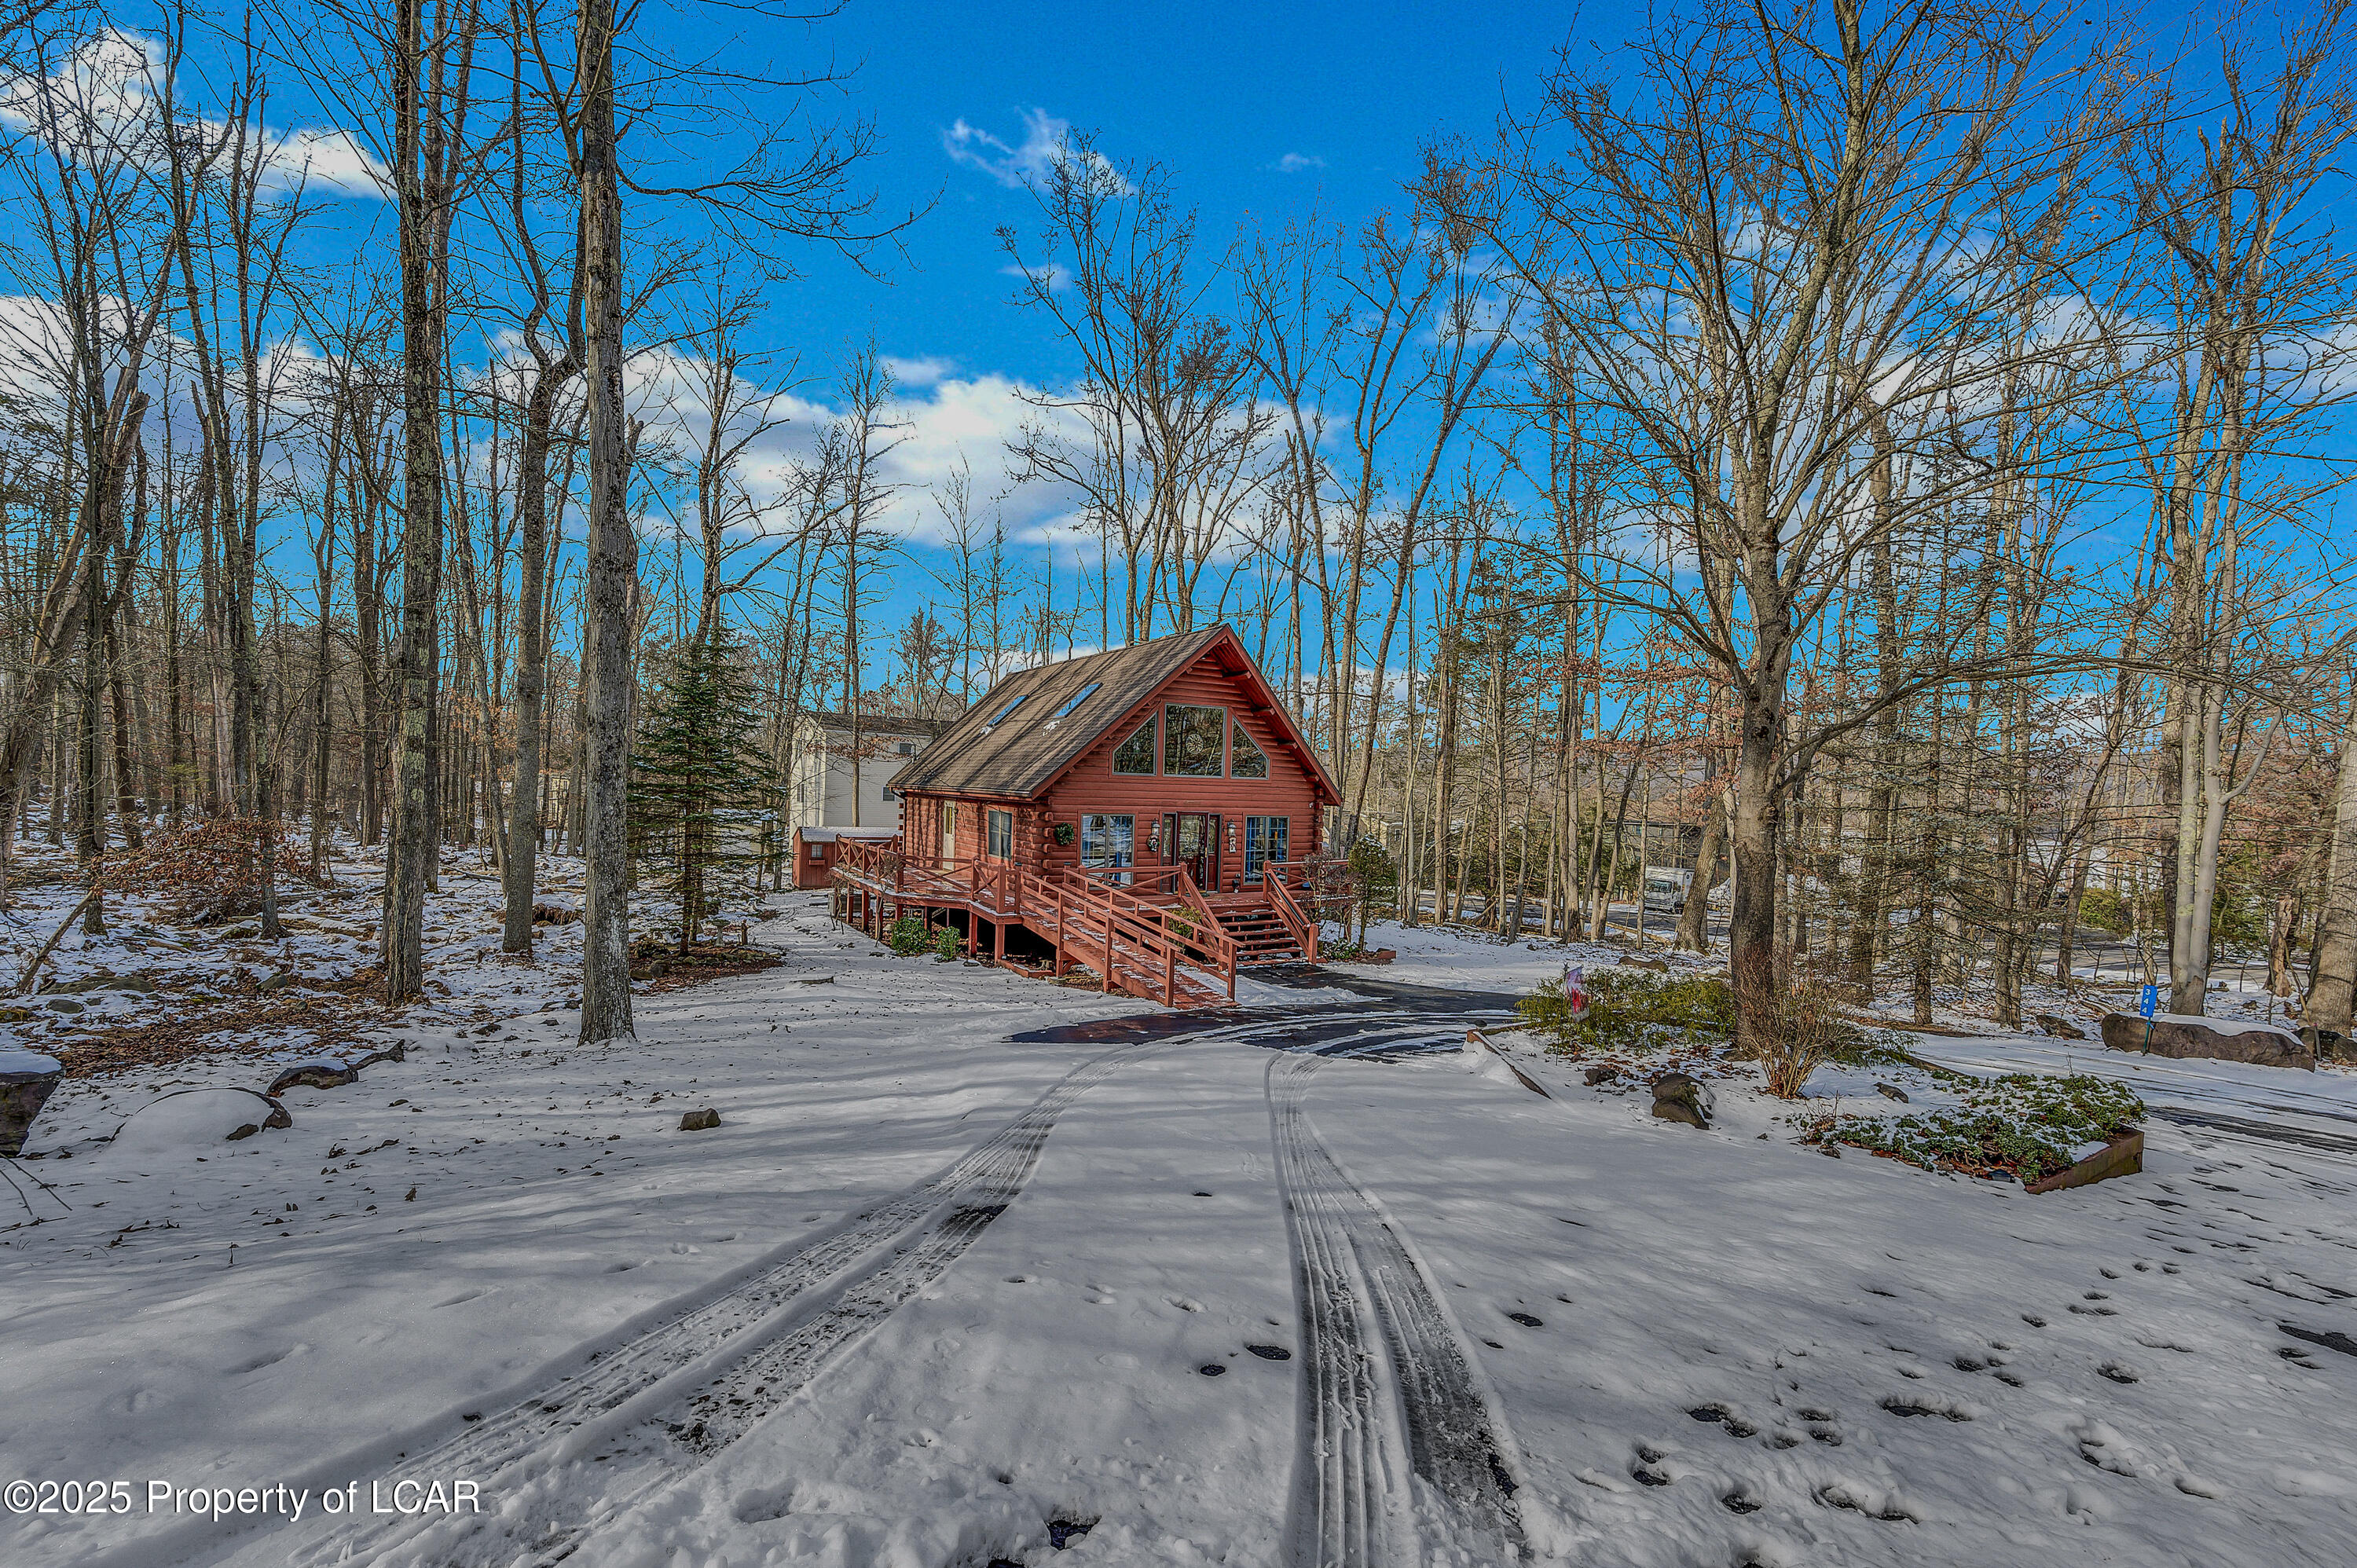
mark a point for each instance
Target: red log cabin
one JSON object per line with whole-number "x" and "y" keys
{"x": 1149, "y": 814}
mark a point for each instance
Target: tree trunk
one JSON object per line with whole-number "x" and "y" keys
{"x": 613, "y": 550}
{"x": 521, "y": 865}
{"x": 2329, "y": 1003}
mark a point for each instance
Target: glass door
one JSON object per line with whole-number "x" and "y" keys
{"x": 1192, "y": 838}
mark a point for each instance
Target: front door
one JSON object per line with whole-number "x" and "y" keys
{"x": 949, "y": 830}
{"x": 1193, "y": 841}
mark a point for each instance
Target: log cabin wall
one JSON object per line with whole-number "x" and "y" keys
{"x": 1091, "y": 786}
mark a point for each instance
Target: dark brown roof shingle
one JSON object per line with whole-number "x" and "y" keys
{"x": 1023, "y": 755}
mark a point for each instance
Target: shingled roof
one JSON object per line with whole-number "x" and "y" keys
{"x": 1022, "y": 756}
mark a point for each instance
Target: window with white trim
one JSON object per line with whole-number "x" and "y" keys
{"x": 1000, "y": 826}
{"x": 1264, "y": 841}
{"x": 1109, "y": 843}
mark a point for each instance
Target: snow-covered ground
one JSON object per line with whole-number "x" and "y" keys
{"x": 940, "y": 1292}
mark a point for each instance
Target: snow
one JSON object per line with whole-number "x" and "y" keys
{"x": 2230, "y": 1027}
{"x": 12, "y": 1059}
{"x": 182, "y": 1121}
{"x": 966, "y": 1280}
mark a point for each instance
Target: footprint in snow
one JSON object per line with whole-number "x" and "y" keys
{"x": 1735, "y": 1426}
{"x": 1871, "y": 1501}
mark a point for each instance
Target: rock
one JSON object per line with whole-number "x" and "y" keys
{"x": 1657, "y": 965}
{"x": 1677, "y": 1097}
{"x": 14, "y": 1015}
{"x": 26, "y": 1079}
{"x": 63, "y": 1005}
{"x": 699, "y": 1121}
{"x": 2061, "y": 1028}
{"x": 2328, "y": 1046}
{"x": 194, "y": 1117}
{"x": 274, "y": 982}
{"x": 314, "y": 1074}
{"x": 1604, "y": 1074}
{"x": 1891, "y": 1092}
{"x": 241, "y": 933}
{"x": 2184, "y": 1035}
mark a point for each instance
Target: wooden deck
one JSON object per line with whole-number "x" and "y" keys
{"x": 1159, "y": 936}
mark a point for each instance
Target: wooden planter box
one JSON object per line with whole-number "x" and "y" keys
{"x": 2123, "y": 1156}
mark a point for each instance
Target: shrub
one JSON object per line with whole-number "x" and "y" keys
{"x": 946, "y": 943}
{"x": 1633, "y": 1010}
{"x": 210, "y": 868}
{"x": 2106, "y": 911}
{"x": 1796, "y": 1027}
{"x": 2023, "y": 1124}
{"x": 909, "y": 936}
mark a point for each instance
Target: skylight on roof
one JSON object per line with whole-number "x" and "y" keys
{"x": 1001, "y": 714}
{"x": 1082, "y": 695}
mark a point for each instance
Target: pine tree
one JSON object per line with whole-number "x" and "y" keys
{"x": 700, "y": 784}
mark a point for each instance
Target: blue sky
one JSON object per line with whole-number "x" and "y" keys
{"x": 1219, "y": 92}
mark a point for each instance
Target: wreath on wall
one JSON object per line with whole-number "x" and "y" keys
{"x": 1063, "y": 833}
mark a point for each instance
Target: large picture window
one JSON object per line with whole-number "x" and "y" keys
{"x": 1194, "y": 740}
{"x": 1246, "y": 758}
{"x": 1264, "y": 841}
{"x": 1001, "y": 825}
{"x": 1135, "y": 755}
{"x": 1108, "y": 844}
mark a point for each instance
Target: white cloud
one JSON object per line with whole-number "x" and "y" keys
{"x": 1295, "y": 163}
{"x": 922, "y": 370}
{"x": 100, "y": 97}
{"x": 1046, "y": 140}
{"x": 1055, "y": 274}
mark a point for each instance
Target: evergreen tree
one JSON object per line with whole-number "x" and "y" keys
{"x": 700, "y": 786}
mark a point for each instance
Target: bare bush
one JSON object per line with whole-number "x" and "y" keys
{"x": 211, "y": 868}
{"x": 1796, "y": 1027}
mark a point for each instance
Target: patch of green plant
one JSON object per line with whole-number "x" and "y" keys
{"x": 909, "y": 936}
{"x": 946, "y": 943}
{"x": 1864, "y": 1047}
{"x": 2023, "y": 1124}
{"x": 1633, "y": 1010}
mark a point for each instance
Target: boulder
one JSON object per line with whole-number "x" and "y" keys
{"x": 1604, "y": 1074}
{"x": 2183, "y": 1035}
{"x": 26, "y": 1079}
{"x": 2061, "y": 1028}
{"x": 1891, "y": 1092}
{"x": 2329, "y": 1046}
{"x": 63, "y": 1005}
{"x": 699, "y": 1121}
{"x": 1657, "y": 965}
{"x": 326, "y": 1073}
{"x": 1678, "y": 1096}
{"x": 330, "y": 1072}
{"x": 191, "y": 1118}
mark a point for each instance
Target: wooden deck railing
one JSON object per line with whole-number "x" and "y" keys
{"x": 1153, "y": 948}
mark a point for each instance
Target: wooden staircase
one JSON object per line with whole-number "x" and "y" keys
{"x": 1262, "y": 934}
{"x": 1156, "y": 935}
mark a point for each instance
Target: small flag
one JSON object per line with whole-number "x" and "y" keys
{"x": 2151, "y": 1002}
{"x": 1575, "y": 990}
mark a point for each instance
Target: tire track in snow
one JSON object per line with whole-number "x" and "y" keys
{"x": 1354, "y": 1506}
{"x": 747, "y": 1337}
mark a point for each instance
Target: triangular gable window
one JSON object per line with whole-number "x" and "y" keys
{"x": 1135, "y": 755}
{"x": 1246, "y": 758}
